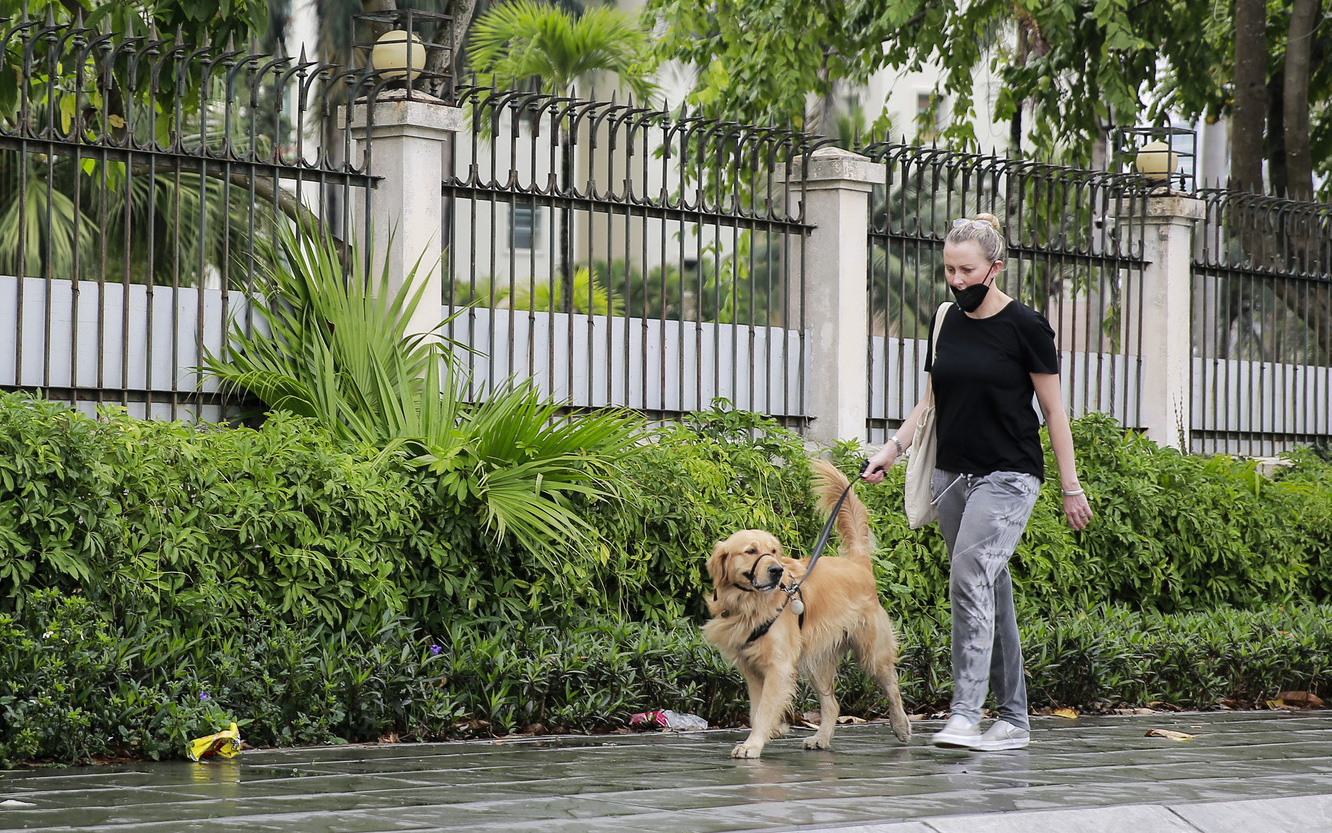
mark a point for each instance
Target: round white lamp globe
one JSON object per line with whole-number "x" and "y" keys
{"x": 390, "y": 55}
{"x": 1156, "y": 161}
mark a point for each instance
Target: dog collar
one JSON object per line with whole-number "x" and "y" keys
{"x": 737, "y": 587}
{"x": 761, "y": 630}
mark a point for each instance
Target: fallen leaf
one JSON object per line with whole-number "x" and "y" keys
{"x": 1169, "y": 733}
{"x": 851, "y": 719}
{"x": 1066, "y": 713}
{"x": 1301, "y": 699}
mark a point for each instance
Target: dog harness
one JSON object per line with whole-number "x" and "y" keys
{"x": 759, "y": 631}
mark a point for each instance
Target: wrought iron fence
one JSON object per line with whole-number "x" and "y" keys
{"x": 1262, "y": 324}
{"x": 1075, "y": 253}
{"x": 145, "y": 179}
{"x": 617, "y": 254}
{"x": 621, "y": 255}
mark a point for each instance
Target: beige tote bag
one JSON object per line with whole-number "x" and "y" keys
{"x": 920, "y": 509}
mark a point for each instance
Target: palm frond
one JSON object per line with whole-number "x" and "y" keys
{"x": 332, "y": 349}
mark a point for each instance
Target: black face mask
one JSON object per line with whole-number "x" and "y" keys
{"x": 971, "y": 297}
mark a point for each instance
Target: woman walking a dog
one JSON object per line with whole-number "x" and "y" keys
{"x": 993, "y": 355}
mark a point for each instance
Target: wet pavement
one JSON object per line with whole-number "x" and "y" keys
{"x": 1257, "y": 771}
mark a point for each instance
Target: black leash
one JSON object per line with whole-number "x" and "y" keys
{"x": 827, "y": 530}
{"x": 794, "y": 590}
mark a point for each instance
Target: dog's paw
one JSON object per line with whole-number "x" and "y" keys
{"x": 744, "y": 750}
{"x": 816, "y": 742}
{"x": 901, "y": 728}
{"x": 781, "y": 731}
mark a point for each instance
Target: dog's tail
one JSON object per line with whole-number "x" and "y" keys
{"x": 853, "y": 529}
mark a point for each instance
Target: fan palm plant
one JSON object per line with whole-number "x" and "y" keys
{"x": 526, "y": 41}
{"x": 337, "y": 350}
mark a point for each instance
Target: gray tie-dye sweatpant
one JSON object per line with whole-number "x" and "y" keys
{"x": 982, "y": 518}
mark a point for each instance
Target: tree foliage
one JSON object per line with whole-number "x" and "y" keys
{"x": 1068, "y": 70}
{"x": 196, "y": 20}
{"x": 762, "y": 60}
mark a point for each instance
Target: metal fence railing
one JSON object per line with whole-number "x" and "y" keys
{"x": 618, "y": 255}
{"x": 1262, "y": 324}
{"x": 625, "y": 256}
{"x": 1075, "y": 253}
{"x": 143, "y": 177}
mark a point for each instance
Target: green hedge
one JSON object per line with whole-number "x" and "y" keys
{"x": 1172, "y": 532}
{"x": 75, "y": 685}
{"x": 193, "y": 520}
{"x": 315, "y": 592}
{"x": 188, "y": 522}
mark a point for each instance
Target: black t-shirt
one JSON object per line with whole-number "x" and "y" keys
{"x": 983, "y": 392}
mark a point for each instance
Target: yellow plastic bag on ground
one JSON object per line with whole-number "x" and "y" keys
{"x": 226, "y": 743}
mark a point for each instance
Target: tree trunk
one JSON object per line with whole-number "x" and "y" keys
{"x": 462, "y": 12}
{"x": 372, "y": 6}
{"x": 1295, "y": 99}
{"x": 1276, "y": 138}
{"x": 1246, "y": 147}
{"x": 1015, "y": 126}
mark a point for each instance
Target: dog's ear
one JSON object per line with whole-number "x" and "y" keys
{"x": 717, "y": 563}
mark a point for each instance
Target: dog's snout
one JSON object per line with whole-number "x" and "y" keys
{"x": 775, "y": 571}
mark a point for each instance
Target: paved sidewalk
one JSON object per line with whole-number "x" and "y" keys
{"x": 1263, "y": 771}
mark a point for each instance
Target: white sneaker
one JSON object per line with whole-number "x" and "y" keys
{"x": 958, "y": 733}
{"x": 1004, "y": 735}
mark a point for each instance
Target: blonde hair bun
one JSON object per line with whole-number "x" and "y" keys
{"x": 991, "y": 219}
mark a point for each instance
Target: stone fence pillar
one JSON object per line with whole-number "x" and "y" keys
{"x": 834, "y": 294}
{"x": 405, "y": 137}
{"x": 1166, "y": 396}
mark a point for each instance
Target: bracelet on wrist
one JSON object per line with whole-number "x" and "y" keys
{"x": 1073, "y": 492}
{"x": 898, "y": 443}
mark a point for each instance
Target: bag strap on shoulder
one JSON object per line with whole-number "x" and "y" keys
{"x": 939, "y": 315}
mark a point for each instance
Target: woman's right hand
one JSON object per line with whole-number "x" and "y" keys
{"x": 877, "y": 466}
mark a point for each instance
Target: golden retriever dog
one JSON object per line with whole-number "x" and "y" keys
{"x": 771, "y": 641}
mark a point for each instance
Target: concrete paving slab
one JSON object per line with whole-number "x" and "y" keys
{"x": 1139, "y": 819}
{"x": 1242, "y": 771}
{"x": 1301, "y": 813}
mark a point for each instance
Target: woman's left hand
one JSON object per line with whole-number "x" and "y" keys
{"x": 1077, "y": 510}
